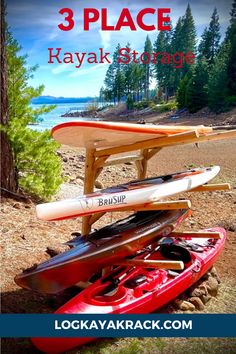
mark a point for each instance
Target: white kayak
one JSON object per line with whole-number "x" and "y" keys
{"x": 133, "y": 193}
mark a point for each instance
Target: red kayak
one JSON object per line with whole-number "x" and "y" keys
{"x": 100, "y": 249}
{"x": 139, "y": 290}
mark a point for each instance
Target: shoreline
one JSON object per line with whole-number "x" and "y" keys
{"x": 147, "y": 115}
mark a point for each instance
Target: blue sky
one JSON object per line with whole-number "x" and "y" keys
{"x": 34, "y": 25}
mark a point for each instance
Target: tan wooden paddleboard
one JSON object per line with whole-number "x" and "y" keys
{"x": 92, "y": 134}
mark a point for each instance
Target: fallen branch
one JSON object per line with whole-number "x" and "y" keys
{"x": 13, "y": 195}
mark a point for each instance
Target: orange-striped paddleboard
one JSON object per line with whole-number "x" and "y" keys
{"x": 93, "y": 134}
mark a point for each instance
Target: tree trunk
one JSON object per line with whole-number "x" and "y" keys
{"x": 148, "y": 79}
{"x": 166, "y": 95}
{"x": 145, "y": 84}
{"x": 8, "y": 170}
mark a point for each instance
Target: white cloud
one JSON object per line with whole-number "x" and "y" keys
{"x": 62, "y": 68}
{"x": 86, "y": 71}
{"x": 106, "y": 38}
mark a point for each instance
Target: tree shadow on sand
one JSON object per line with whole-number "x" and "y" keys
{"x": 26, "y": 301}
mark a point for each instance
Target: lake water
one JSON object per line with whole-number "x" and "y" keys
{"x": 49, "y": 120}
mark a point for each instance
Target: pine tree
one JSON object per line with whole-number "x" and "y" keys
{"x": 233, "y": 12}
{"x": 115, "y": 78}
{"x": 129, "y": 103}
{"x": 164, "y": 73}
{"x": 119, "y": 78}
{"x": 9, "y": 176}
{"x": 110, "y": 83}
{"x": 101, "y": 95}
{"x": 182, "y": 89}
{"x": 204, "y": 43}
{"x": 209, "y": 45}
{"x": 177, "y": 45}
{"x": 147, "y": 67}
{"x": 230, "y": 40}
{"x": 183, "y": 41}
{"x": 128, "y": 72}
{"x": 188, "y": 37}
{"x": 196, "y": 89}
{"x": 119, "y": 85}
{"x": 178, "y": 40}
{"x": 218, "y": 79}
{"x": 160, "y": 45}
{"x": 138, "y": 79}
{"x": 39, "y": 168}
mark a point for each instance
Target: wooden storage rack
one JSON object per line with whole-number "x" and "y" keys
{"x": 97, "y": 159}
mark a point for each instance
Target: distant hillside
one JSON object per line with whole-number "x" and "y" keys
{"x": 53, "y": 100}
